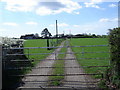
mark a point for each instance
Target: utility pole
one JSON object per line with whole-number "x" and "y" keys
{"x": 56, "y": 32}
{"x": 70, "y": 34}
{"x": 1, "y": 54}
{"x": 118, "y": 14}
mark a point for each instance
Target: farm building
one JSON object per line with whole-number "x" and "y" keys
{"x": 28, "y": 36}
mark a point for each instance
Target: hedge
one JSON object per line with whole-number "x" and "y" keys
{"x": 113, "y": 73}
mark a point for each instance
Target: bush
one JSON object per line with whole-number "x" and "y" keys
{"x": 112, "y": 76}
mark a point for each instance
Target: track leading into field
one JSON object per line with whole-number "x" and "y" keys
{"x": 77, "y": 82}
{"x": 39, "y": 81}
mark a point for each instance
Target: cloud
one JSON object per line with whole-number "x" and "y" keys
{"x": 91, "y": 4}
{"x": 63, "y": 25}
{"x": 59, "y": 25}
{"x": 1, "y": 29}
{"x": 20, "y": 5}
{"x": 10, "y": 24}
{"x": 100, "y": 28}
{"x": 97, "y": 1}
{"x": 108, "y": 20}
{"x": 104, "y": 20}
{"x": 112, "y": 5}
{"x": 43, "y": 11}
{"x": 94, "y": 4}
{"x": 42, "y": 8}
{"x": 52, "y": 5}
{"x": 48, "y": 8}
{"x": 77, "y": 12}
{"x": 76, "y": 25}
{"x": 115, "y": 19}
{"x": 31, "y": 23}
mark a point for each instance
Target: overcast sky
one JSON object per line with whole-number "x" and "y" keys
{"x": 20, "y": 17}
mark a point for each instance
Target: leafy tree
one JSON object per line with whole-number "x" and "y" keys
{"x": 37, "y": 35}
{"x": 45, "y": 33}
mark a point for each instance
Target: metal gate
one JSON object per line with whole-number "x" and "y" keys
{"x": 19, "y": 66}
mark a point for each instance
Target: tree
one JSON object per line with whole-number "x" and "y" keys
{"x": 37, "y": 35}
{"x": 45, "y": 33}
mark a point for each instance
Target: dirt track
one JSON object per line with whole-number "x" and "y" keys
{"x": 73, "y": 82}
{"x": 79, "y": 82}
{"x": 38, "y": 81}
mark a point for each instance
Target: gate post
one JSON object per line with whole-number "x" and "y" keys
{"x": 0, "y": 66}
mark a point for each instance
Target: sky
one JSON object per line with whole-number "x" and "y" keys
{"x": 20, "y": 17}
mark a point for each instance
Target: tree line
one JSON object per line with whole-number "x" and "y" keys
{"x": 46, "y": 34}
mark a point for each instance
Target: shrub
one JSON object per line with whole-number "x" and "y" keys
{"x": 113, "y": 74}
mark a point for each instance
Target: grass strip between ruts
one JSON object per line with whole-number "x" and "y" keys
{"x": 57, "y": 80}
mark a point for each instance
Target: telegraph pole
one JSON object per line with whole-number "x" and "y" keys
{"x": 119, "y": 14}
{"x": 56, "y": 32}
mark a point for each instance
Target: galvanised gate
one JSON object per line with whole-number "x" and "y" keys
{"x": 18, "y": 66}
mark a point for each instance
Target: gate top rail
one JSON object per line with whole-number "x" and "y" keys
{"x": 58, "y": 47}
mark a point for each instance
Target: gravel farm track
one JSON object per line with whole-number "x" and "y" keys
{"x": 77, "y": 82}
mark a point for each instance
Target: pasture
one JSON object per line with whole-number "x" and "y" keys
{"x": 39, "y": 53}
{"x": 36, "y": 43}
{"x": 83, "y": 53}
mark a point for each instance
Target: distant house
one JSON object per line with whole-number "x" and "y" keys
{"x": 28, "y": 36}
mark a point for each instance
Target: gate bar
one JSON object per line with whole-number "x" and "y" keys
{"x": 54, "y": 53}
{"x": 58, "y": 47}
{"x": 54, "y": 67}
{"x": 55, "y": 75}
{"x": 56, "y": 59}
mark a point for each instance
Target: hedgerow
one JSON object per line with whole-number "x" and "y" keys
{"x": 112, "y": 77}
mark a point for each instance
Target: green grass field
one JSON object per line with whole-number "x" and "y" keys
{"x": 91, "y": 62}
{"x": 36, "y": 43}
